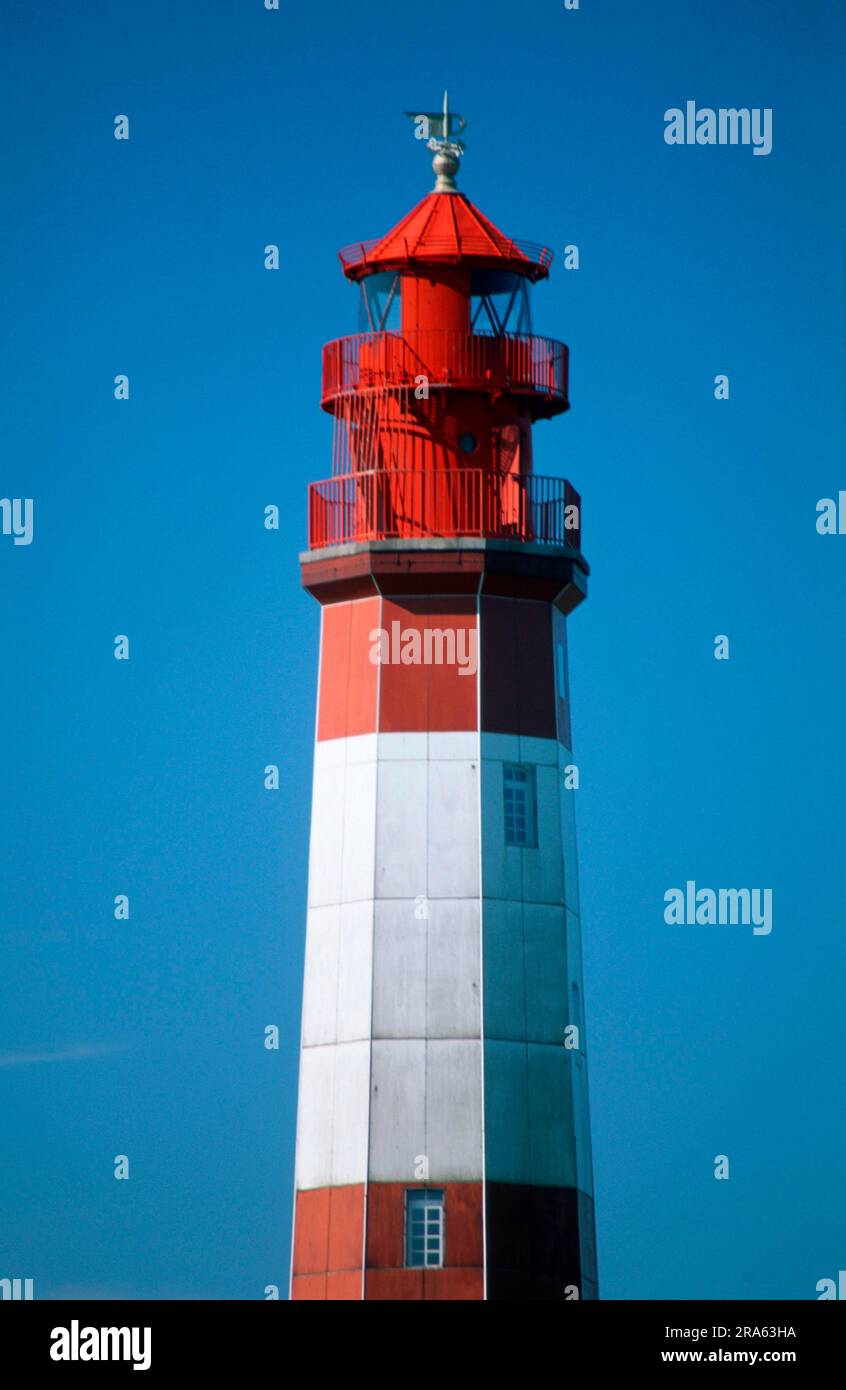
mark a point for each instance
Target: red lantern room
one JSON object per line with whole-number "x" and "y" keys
{"x": 435, "y": 396}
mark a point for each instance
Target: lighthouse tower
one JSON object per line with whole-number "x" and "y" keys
{"x": 443, "y": 1144}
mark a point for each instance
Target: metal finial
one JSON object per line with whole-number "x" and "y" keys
{"x": 447, "y": 151}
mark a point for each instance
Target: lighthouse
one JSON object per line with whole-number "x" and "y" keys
{"x": 443, "y": 1140}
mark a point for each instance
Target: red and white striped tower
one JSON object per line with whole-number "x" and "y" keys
{"x": 443, "y": 1145}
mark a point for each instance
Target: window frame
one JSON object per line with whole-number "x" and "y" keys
{"x": 429, "y": 1199}
{"x": 530, "y": 817}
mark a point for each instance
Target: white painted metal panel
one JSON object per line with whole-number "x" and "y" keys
{"x": 408, "y": 747}
{"x": 545, "y": 968}
{"x": 320, "y": 989}
{"x": 574, "y": 951}
{"x": 567, "y": 803}
{"x": 584, "y": 1165}
{"x": 355, "y": 978}
{"x": 502, "y": 865}
{"x": 551, "y": 1131}
{"x": 454, "y": 1110}
{"x": 399, "y": 970}
{"x": 543, "y": 874}
{"x": 453, "y": 829}
{"x": 361, "y": 748}
{"x": 401, "y": 830}
{"x": 453, "y": 969}
{"x": 397, "y": 1109}
{"x": 507, "y": 1150}
{"x": 543, "y": 751}
{"x": 314, "y": 1117}
{"x": 330, "y": 752}
{"x": 461, "y": 745}
{"x": 505, "y": 985}
{"x": 502, "y": 748}
{"x": 327, "y": 835}
{"x": 350, "y": 1117}
{"x": 359, "y": 832}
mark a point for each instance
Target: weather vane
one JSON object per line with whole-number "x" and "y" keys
{"x": 447, "y": 151}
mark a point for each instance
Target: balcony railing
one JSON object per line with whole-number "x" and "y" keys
{"x": 514, "y": 362}
{"x": 412, "y": 504}
{"x": 539, "y": 257}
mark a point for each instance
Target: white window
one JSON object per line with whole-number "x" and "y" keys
{"x": 518, "y": 786}
{"x": 424, "y": 1228}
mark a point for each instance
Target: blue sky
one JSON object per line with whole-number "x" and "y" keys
{"x": 144, "y": 777}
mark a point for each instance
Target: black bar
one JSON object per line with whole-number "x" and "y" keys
{"x": 209, "y": 1340}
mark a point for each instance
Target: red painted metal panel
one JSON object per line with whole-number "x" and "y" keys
{"x": 346, "y": 1228}
{"x": 434, "y": 695}
{"x": 513, "y": 650}
{"x": 464, "y": 1224}
{"x": 414, "y": 1285}
{"x": 453, "y": 1284}
{"x": 533, "y": 622}
{"x": 439, "y": 300}
{"x": 385, "y": 1230}
{"x": 329, "y": 1243}
{"x": 344, "y": 1287}
{"x": 396, "y": 1285}
{"x": 518, "y": 687}
{"x": 562, "y": 680}
{"x": 311, "y": 1231}
{"x": 347, "y": 698}
{"x": 385, "y": 1276}
{"x": 311, "y": 1287}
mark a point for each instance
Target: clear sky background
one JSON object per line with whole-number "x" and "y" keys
{"x": 145, "y": 1038}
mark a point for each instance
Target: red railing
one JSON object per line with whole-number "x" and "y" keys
{"x": 409, "y": 504}
{"x": 514, "y": 362}
{"x": 444, "y": 249}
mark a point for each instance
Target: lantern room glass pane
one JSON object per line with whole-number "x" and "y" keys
{"x": 379, "y": 303}
{"x": 499, "y": 302}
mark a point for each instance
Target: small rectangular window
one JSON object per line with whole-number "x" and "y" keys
{"x": 424, "y": 1228}
{"x": 518, "y": 785}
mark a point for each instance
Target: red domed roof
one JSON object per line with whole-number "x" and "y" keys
{"x": 445, "y": 228}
